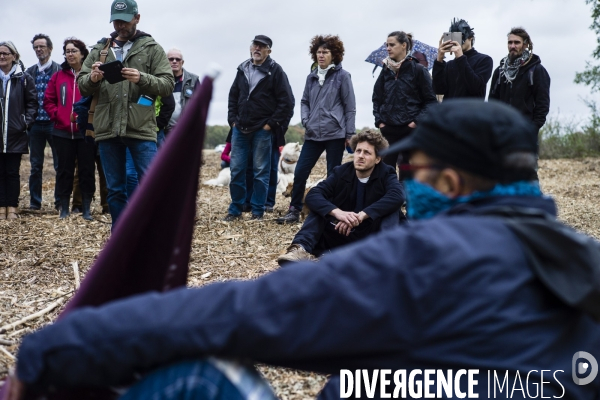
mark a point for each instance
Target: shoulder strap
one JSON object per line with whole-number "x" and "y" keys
{"x": 103, "y": 54}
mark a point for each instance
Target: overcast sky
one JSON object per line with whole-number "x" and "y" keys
{"x": 221, "y": 31}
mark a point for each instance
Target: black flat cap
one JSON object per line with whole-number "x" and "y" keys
{"x": 472, "y": 135}
{"x": 263, "y": 39}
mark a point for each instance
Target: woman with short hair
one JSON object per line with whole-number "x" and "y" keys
{"x": 18, "y": 110}
{"x": 402, "y": 92}
{"x": 69, "y": 144}
{"x": 328, "y": 112}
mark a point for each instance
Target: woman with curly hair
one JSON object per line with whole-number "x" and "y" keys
{"x": 62, "y": 93}
{"x": 328, "y": 111}
{"x": 403, "y": 91}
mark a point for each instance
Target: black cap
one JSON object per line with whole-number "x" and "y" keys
{"x": 472, "y": 135}
{"x": 263, "y": 39}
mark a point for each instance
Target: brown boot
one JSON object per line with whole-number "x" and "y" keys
{"x": 295, "y": 253}
{"x": 2, "y": 213}
{"x": 12, "y": 213}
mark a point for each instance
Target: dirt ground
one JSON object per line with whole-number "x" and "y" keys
{"x": 37, "y": 252}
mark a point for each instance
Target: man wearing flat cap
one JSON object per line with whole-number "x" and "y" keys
{"x": 484, "y": 282}
{"x": 261, "y": 105}
{"x": 125, "y": 116}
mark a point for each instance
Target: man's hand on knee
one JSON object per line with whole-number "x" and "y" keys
{"x": 344, "y": 228}
{"x": 349, "y": 217}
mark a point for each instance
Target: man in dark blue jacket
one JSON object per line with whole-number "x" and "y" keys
{"x": 485, "y": 280}
{"x": 356, "y": 200}
{"x": 468, "y": 74}
{"x": 261, "y": 105}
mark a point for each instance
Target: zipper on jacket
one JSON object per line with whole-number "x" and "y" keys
{"x": 72, "y": 105}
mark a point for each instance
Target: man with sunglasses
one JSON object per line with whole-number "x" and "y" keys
{"x": 357, "y": 199}
{"x": 185, "y": 84}
{"x": 261, "y": 105}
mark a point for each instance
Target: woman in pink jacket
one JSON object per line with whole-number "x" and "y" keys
{"x": 61, "y": 94}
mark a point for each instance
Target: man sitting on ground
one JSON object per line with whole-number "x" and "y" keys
{"x": 356, "y": 200}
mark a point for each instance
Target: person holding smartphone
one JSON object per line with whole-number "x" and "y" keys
{"x": 401, "y": 94}
{"x": 70, "y": 147}
{"x": 125, "y": 115}
{"x": 468, "y": 73}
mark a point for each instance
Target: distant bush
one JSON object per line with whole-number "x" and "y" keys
{"x": 215, "y": 134}
{"x": 564, "y": 139}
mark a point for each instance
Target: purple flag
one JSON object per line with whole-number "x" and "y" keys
{"x": 150, "y": 246}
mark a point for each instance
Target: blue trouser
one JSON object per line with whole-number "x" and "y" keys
{"x": 311, "y": 151}
{"x": 318, "y": 234}
{"x": 243, "y": 146}
{"x": 39, "y": 134}
{"x": 113, "y": 156}
{"x": 132, "y": 176}
{"x": 208, "y": 379}
{"x": 272, "y": 191}
{"x": 160, "y": 138}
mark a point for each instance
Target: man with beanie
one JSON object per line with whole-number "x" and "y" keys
{"x": 521, "y": 80}
{"x": 484, "y": 282}
{"x": 468, "y": 73}
{"x": 124, "y": 116}
{"x": 261, "y": 105}
{"x": 41, "y": 130}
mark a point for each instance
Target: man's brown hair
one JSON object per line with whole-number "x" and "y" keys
{"x": 522, "y": 33}
{"x": 371, "y": 136}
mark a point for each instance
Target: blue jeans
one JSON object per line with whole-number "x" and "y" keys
{"x": 113, "y": 155}
{"x": 38, "y": 135}
{"x": 311, "y": 151}
{"x": 132, "y": 176}
{"x": 208, "y": 379}
{"x": 160, "y": 138}
{"x": 243, "y": 146}
{"x": 272, "y": 191}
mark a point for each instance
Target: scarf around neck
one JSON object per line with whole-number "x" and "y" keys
{"x": 394, "y": 65}
{"x": 6, "y": 77}
{"x": 510, "y": 69}
{"x": 321, "y": 73}
{"x": 45, "y": 66}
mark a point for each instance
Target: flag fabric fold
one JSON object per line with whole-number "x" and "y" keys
{"x": 150, "y": 246}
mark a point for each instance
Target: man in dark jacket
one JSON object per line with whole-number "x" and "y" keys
{"x": 261, "y": 105}
{"x": 41, "y": 130}
{"x": 356, "y": 200}
{"x": 485, "y": 280}
{"x": 468, "y": 74}
{"x": 521, "y": 80}
{"x": 185, "y": 85}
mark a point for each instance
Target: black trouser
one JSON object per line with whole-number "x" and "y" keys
{"x": 395, "y": 134}
{"x": 311, "y": 151}
{"x": 318, "y": 234}
{"x": 67, "y": 151}
{"x": 10, "y": 184}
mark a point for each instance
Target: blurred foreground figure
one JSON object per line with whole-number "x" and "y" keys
{"x": 485, "y": 278}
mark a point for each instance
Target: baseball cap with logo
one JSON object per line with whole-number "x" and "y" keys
{"x": 123, "y": 10}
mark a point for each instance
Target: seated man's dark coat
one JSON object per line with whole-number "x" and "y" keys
{"x": 384, "y": 194}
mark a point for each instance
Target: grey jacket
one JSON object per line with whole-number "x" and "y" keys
{"x": 328, "y": 111}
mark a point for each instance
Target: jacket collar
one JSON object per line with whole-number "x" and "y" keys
{"x": 264, "y": 68}
{"x": 138, "y": 34}
{"x": 313, "y": 72}
{"x": 350, "y": 177}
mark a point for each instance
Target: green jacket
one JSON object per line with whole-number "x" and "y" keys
{"x": 117, "y": 112}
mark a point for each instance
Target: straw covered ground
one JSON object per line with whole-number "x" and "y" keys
{"x": 41, "y": 256}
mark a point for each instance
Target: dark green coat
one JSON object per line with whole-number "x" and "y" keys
{"x": 117, "y": 112}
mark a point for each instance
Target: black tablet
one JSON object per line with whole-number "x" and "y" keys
{"x": 112, "y": 71}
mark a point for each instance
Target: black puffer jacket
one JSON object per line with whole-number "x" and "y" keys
{"x": 271, "y": 102}
{"x": 399, "y": 99}
{"x": 528, "y": 93}
{"x": 20, "y": 99}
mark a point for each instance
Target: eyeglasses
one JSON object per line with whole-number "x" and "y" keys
{"x": 171, "y": 59}
{"x": 72, "y": 51}
{"x": 409, "y": 169}
{"x": 39, "y": 47}
{"x": 259, "y": 45}
{"x": 5, "y": 54}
